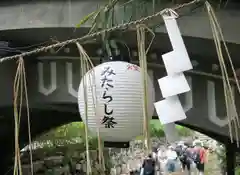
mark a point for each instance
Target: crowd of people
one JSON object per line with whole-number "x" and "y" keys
{"x": 181, "y": 158}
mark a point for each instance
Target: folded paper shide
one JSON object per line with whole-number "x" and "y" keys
{"x": 173, "y": 85}
{"x": 170, "y": 110}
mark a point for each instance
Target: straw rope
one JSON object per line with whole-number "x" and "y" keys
{"x": 141, "y": 29}
{"x": 84, "y": 66}
{"x": 19, "y": 93}
{"x": 233, "y": 120}
{"x": 87, "y": 65}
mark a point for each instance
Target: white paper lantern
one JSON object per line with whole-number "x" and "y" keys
{"x": 118, "y": 92}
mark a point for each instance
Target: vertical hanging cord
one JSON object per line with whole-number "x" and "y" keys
{"x": 83, "y": 72}
{"x": 227, "y": 52}
{"x": 16, "y": 118}
{"x": 92, "y": 83}
{"x": 224, "y": 44}
{"x": 18, "y": 85}
{"x": 28, "y": 114}
{"x": 229, "y": 98}
{"x": 85, "y": 88}
{"x": 226, "y": 84}
{"x": 94, "y": 98}
{"x": 86, "y": 61}
{"x": 20, "y": 79}
{"x": 143, "y": 66}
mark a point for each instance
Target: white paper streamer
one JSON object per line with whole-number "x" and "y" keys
{"x": 173, "y": 85}
{"x": 170, "y": 110}
{"x": 179, "y": 52}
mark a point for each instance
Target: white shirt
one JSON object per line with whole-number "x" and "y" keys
{"x": 154, "y": 155}
{"x": 161, "y": 154}
{"x": 171, "y": 155}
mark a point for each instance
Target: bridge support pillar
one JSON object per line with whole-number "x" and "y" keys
{"x": 231, "y": 158}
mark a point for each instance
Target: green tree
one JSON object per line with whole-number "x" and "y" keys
{"x": 156, "y": 132}
{"x": 183, "y": 131}
{"x": 66, "y": 134}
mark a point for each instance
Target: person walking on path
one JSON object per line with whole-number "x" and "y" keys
{"x": 148, "y": 166}
{"x": 199, "y": 157}
{"x": 184, "y": 154}
{"x": 172, "y": 160}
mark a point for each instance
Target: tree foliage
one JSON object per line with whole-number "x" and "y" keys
{"x": 67, "y": 134}
{"x": 74, "y": 133}
{"x": 157, "y": 130}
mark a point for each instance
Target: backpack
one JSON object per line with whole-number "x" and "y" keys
{"x": 181, "y": 152}
{"x": 149, "y": 166}
{"x": 196, "y": 156}
{"x": 183, "y": 157}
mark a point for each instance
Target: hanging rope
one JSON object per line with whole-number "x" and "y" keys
{"x": 86, "y": 65}
{"x": 17, "y": 116}
{"x": 28, "y": 116}
{"x": 142, "y": 52}
{"x": 20, "y": 84}
{"x": 84, "y": 68}
{"x": 228, "y": 92}
{"x": 96, "y": 34}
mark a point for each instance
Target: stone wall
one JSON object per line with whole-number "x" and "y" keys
{"x": 118, "y": 160}
{"x": 61, "y": 162}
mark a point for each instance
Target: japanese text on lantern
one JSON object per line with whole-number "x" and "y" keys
{"x": 107, "y": 83}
